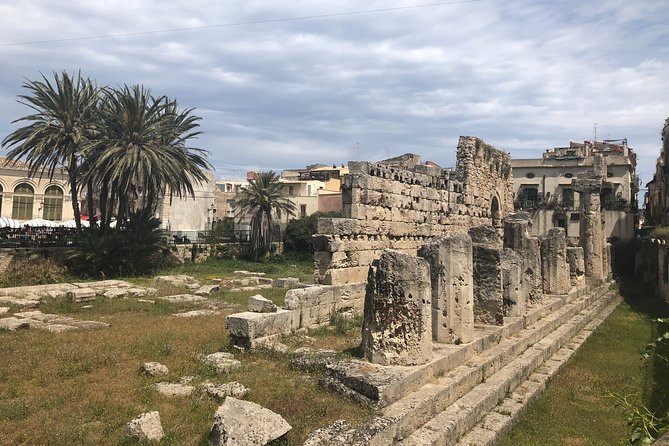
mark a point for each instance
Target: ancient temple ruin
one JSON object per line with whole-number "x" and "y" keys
{"x": 463, "y": 307}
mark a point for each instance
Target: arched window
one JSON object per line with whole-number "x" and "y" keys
{"x": 53, "y": 203}
{"x": 22, "y": 206}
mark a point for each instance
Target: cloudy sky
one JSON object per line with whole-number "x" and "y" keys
{"x": 285, "y": 84}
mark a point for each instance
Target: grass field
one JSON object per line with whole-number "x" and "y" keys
{"x": 575, "y": 408}
{"x": 82, "y": 387}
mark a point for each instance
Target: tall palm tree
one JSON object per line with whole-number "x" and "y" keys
{"x": 143, "y": 155}
{"x": 263, "y": 197}
{"x": 60, "y": 128}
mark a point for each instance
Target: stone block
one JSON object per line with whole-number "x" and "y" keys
{"x": 239, "y": 422}
{"x": 514, "y": 297}
{"x": 576, "y": 265}
{"x": 451, "y": 267}
{"x": 488, "y": 282}
{"x": 12, "y": 324}
{"x": 397, "y": 323}
{"x": 206, "y": 290}
{"x": 81, "y": 295}
{"x": 259, "y": 304}
{"x": 247, "y": 326}
{"x": 554, "y": 266}
{"x": 146, "y": 427}
{"x": 286, "y": 282}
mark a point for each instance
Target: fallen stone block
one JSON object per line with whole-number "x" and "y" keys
{"x": 153, "y": 369}
{"x": 247, "y": 326}
{"x": 12, "y": 324}
{"x": 4, "y": 310}
{"x": 259, "y": 304}
{"x": 172, "y": 389}
{"x": 146, "y": 301}
{"x": 146, "y": 427}
{"x": 55, "y": 328}
{"x": 286, "y": 282}
{"x": 81, "y": 295}
{"x": 206, "y": 290}
{"x": 195, "y": 313}
{"x": 182, "y": 298}
{"x": 238, "y": 422}
{"x": 222, "y": 362}
{"x": 221, "y": 391}
{"x": 248, "y": 273}
{"x": 115, "y": 293}
{"x": 136, "y": 292}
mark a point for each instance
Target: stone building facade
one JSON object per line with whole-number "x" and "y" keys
{"x": 656, "y": 199}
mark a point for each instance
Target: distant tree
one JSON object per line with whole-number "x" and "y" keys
{"x": 299, "y": 232}
{"x": 263, "y": 198}
{"x": 61, "y": 128}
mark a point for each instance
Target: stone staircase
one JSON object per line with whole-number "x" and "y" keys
{"x": 469, "y": 394}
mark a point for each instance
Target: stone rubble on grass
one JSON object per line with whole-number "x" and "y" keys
{"x": 146, "y": 301}
{"x": 146, "y": 427}
{"x": 173, "y": 389}
{"x": 19, "y": 302}
{"x": 12, "y": 324}
{"x": 248, "y": 273}
{"x": 4, "y": 310}
{"x": 222, "y": 362}
{"x": 339, "y": 432}
{"x": 186, "y": 379}
{"x": 311, "y": 361}
{"x": 194, "y": 313}
{"x": 259, "y": 304}
{"x": 238, "y": 422}
{"x": 221, "y": 391}
{"x": 179, "y": 280}
{"x": 136, "y": 292}
{"x": 153, "y": 369}
{"x": 206, "y": 290}
{"x": 53, "y": 323}
{"x": 115, "y": 293}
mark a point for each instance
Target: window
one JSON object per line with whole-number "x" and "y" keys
{"x": 303, "y": 210}
{"x": 529, "y": 175}
{"x": 291, "y": 190}
{"x": 568, "y": 197}
{"x": 568, "y": 175}
{"x": 22, "y": 205}
{"x": 530, "y": 197}
{"x": 53, "y": 204}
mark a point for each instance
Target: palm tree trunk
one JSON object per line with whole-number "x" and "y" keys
{"x": 104, "y": 190}
{"x": 89, "y": 201}
{"x": 71, "y": 171}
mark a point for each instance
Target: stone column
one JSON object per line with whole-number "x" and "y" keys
{"x": 576, "y": 265}
{"x": 517, "y": 236}
{"x": 488, "y": 283}
{"x": 591, "y": 237}
{"x": 512, "y": 285}
{"x": 397, "y": 322}
{"x": 554, "y": 268}
{"x": 451, "y": 267}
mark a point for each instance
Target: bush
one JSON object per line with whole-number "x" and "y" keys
{"x": 133, "y": 248}
{"x": 298, "y": 236}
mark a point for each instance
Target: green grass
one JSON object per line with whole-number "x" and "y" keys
{"x": 82, "y": 387}
{"x": 575, "y": 409}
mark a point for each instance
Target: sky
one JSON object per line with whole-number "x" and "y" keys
{"x": 286, "y": 84}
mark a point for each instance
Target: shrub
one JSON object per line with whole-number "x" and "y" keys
{"x": 132, "y": 248}
{"x": 298, "y": 236}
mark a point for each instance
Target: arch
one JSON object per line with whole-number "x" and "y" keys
{"x": 22, "y": 203}
{"x": 2, "y": 190}
{"x": 53, "y": 203}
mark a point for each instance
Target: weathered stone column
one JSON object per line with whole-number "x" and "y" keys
{"x": 512, "y": 284}
{"x": 451, "y": 268}
{"x": 488, "y": 283}
{"x": 517, "y": 236}
{"x": 591, "y": 237}
{"x": 554, "y": 267}
{"x": 576, "y": 265}
{"x": 397, "y": 325}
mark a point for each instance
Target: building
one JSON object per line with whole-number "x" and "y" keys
{"x": 544, "y": 188}
{"x": 656, "y": 201}
{"x": 25, "y": 197}
{"x": 314, "y": 189}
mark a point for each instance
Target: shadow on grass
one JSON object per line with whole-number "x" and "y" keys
{"x": 641, "y": 298}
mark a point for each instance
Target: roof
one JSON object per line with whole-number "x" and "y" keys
{"x": 16, "y": 164}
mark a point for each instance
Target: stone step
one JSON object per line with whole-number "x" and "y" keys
{"x": 509, "y": 358}
{"x": 496, "y": 423}
{"x": 379, "y": 386}
{"x": 448, "y": 422}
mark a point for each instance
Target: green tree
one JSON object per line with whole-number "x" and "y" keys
{"x": 263, "y": 198}
{"x": 142, "y": 154}
{"x": 60, "y": 130}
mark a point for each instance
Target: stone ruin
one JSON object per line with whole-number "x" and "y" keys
{"x": 463, "y": 308}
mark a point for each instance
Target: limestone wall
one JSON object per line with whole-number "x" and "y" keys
{"x": 388, "y": 206}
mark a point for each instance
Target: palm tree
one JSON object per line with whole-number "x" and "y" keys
{"x": 142, "y": 155}
{"x": 60, "y": 128}
{"x": 263, "y": 198}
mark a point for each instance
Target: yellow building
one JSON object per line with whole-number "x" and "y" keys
{"x": 25, "y": 197}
